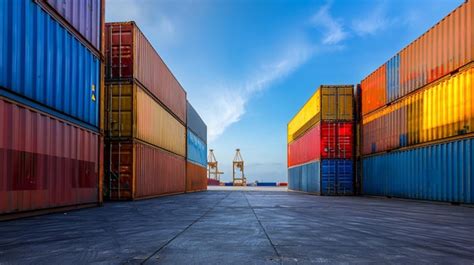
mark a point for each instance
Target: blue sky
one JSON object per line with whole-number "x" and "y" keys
{"x": 248, "y": 66}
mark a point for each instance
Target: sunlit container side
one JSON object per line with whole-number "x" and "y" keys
{"x": 196, "y": 177}
{"x": 84, "y": 16}
{"x": 441, "y": 110}
{"x": 130, "y": 55}
{"x": 133, "y": 113}
{"x": 374, "y": 90}
{"x": 195, "y": 123}
{"x": 393, "y": 78}
{"x": 197, "y": 149}
{"x": 40, "y": 60}
{"x": 324, "y": 140}
{"x": 45, "y": 162}
{"x": 444, "y": 48}
{"x": 139, "y": 170}
{"x": 333, "y": 103}
{"x": 440, "y": 172}
{"x": 325, "y": 177}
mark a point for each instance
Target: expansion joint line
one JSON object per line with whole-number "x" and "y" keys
{"x": 184, "y": 230}
{"x": 264, "y": 231}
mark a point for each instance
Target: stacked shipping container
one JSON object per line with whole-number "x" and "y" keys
{"x": 146, "y": 116}
{"x": 423, "y": 115}
{"x": 320, "y": 143}
{"x": 196, "y": 165}
{"x": 50, "y": 92}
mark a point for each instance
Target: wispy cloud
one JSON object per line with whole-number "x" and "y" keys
{"x": 333, "y": 28}
{"x": 375, "y": 21}
{"x": 229, "y": 105}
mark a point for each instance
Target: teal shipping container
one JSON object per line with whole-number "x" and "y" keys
{"x": 439, "y": 172}
{"x": 41, "y": 61}
{"x": 197, "y": 149}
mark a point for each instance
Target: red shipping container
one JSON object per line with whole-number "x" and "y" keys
{"x": 373, "y": 90}
{"x": 139, "y": 170}
{"x": 196, "y": 177}
{"x": 325, "y": 140}
{"x": 45, "y": 162}
{"x": 130, "y": 55}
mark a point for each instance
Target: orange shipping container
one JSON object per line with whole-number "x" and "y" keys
{"x": 196, "y": 177}
{"x": 134, "y": 113}
{"x": 138, "y": 170}
{"x": 373, "y": 90}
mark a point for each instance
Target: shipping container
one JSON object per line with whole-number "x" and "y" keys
{"x": 213, "y": 182}
{"x": 373, "y": 90}
{"x": 133, "y": 113}
{"x": 329, "y": 103}
{"x": 441, "y": 110}
{"x": 197, "y": 149}
{"x": 439, "y": 172}
{"x": 41, "y": 61}
{"x": 195, "y": 123}
{"x": 82, "y": 17}
{"x": 45, "y": 162}
{"x": 130, "y": 55}
{"x": 196, "y": 177}
{"x": 393, "y": 79}
{"x": 324, "y": 140}
{"x": 325, "y": 177}
{"x": 137, "y": 170}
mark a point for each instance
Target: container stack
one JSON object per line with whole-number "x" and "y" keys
{"x": 196, "y": 165}
{"x": 418, "y": 116}
{"x": 146, "y": 119}
{"x": 320, "y": 143}
{"x": 50, "y": 94}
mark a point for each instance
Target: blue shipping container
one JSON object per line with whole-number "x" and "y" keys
{"x": 267, "y": 184}
{"x": 197, "y": 149}
{"x": 326, "y": 177}
{"x": 40, "y": 60}
{"x": 440, "y": 172}
{"x": 393, "y": 78}
{"x": 195, "y": 123}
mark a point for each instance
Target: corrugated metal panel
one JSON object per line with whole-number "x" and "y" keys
{"x": 393, "y": 78}
{"x": 324, "y": 140}
{"x": 373, "y": 90}
{"x": 325, "y": 177}
{"x": 149, "y": 121}
{"x": 44, "y": 162}
{"x": 441, "y": 50}
{"x": 196, "y": 177}
{"x": 138, "y": 171}
{"x": 440, "y": 172}
{"x": 197, "y": 149}
{"x": 327, "y": 103}
{"x": 83, "y": 15}
{"x": 41, "y": 61}
{"x": 195, "y": 123}
{"x": 440, "y": 110}
{"x": 130, "y": 55}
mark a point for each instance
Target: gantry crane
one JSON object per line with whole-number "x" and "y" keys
{"x": 238, "y": 176}
{"x": 213, "y": 167}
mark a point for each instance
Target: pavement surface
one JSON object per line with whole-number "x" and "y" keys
{"x": 240, "y": 227}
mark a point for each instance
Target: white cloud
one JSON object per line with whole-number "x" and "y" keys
{"x": 334, "y": 31}
{"x": 375, "y": 20}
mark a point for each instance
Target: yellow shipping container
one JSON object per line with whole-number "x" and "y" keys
{"x": 133, "y": 113}
{"x": 327, "y": 103}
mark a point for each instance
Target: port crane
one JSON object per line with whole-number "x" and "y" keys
{"x": 213, "y": 167}
{"x": 238, "y": 176}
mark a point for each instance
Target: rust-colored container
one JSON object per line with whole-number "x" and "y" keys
{"x": 373, "y": 90}
{"x": 45, "y": 162}
{"x": 440, "y": 110}
{"x": 444, "y": 48}
{"x": 196, "y": 177}
{"x": 134, "y": 113}
{"x": 137, "y": 170}
{"x": 130, "y": 55}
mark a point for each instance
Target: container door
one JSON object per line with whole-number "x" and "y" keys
{"x": 345, "y": 103}
{"x": 119, "y": 110}
{"x": 118, "y": 180}
{"x": 329, "y": 104}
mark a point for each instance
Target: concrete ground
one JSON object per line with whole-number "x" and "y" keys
{"x": 239, "y": 227}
